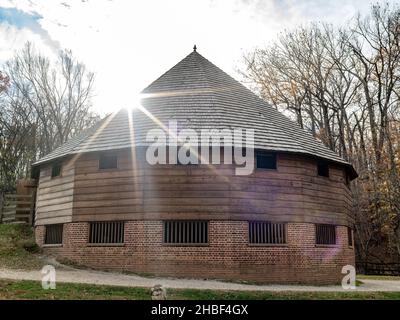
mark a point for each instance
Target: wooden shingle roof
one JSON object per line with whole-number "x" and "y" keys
{"x": 198, "y": 95}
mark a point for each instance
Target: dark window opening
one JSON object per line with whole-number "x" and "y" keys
{"x": 267, "y": 233}
{"x": 265, "y": 160}
{"x": 347, "y": 179}
{"x": 323, "y": 169}
{"x": 108, "y": 161}
{"x": 56, "y": 170}
{"x": 325, "y": 234}
{"x": 54, "y": 234}
{"x": 186, "y": 232}
{"x": 350, "y": 236}
{"x": 107, "y": 232}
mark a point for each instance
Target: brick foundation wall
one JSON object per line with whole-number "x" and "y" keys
{"x": 228, "y": 255}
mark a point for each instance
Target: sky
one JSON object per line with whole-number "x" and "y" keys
{"x": 128, "y": 44}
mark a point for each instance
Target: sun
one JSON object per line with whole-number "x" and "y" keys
{"x": 135, "y": 102}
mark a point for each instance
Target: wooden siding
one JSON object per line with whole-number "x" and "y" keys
{"x": 292, "y": 193}
{"x": 54, "y": 198}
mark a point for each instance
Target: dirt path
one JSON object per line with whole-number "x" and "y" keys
{"x": 67, "y": 274}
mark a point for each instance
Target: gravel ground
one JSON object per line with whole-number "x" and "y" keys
{"x": 68, "y": 274}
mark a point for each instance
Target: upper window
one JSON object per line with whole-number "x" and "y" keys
{"x": 265, "y": 160}
{"x": 323, "y": 169}
{"x": 325, "y": 234}
{"x": 108, "y": 161}
{"x": 56, "y": 170}
{"x": 186, "y": 232}
{"x": 106, "y": 232}
{"x": 261, "y": 232}
{"x": 54, "y": 234}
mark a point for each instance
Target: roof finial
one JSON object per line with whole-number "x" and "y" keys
{"x": 194, "y": 48}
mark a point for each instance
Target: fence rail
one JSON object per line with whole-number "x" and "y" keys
{"x": 15, "y": 208}
{"x": 387, "y": 269}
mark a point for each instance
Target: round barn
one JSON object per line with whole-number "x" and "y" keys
{"x": 101, "y": 203}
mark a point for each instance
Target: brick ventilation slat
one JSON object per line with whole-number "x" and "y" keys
{"x": 350, "y": 236}
{"x": 325, "y": 234}
{"x": 54, "y": 234}
{"x": 261, "y": 232}
{"x": 186, "y": 232}
{"x": 107, "y": 232}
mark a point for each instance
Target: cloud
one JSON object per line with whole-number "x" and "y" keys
{"x": 23, "y": 20}
{"x": 293, "y": 12}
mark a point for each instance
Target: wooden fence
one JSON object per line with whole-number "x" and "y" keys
{"x": 15, "y": 208}
{"x": 388, "y": 269}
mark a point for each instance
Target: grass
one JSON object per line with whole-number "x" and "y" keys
{"x": 17, "y": 247}
{"x": 184, "y": 294}
{"x": 70, "y": 291}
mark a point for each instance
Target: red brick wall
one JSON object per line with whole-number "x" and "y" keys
{"x": 228, "y": 255}
{"x": 39, "y": 235}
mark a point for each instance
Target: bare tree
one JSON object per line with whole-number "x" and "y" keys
{"x": 44, "y": 103}
{"x": 343, "y": 86}
{"x": 58, "y": 95}
{"x": 374, "y": 41}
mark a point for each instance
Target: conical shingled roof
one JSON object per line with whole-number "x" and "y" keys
{"x": 199, "y": 95}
